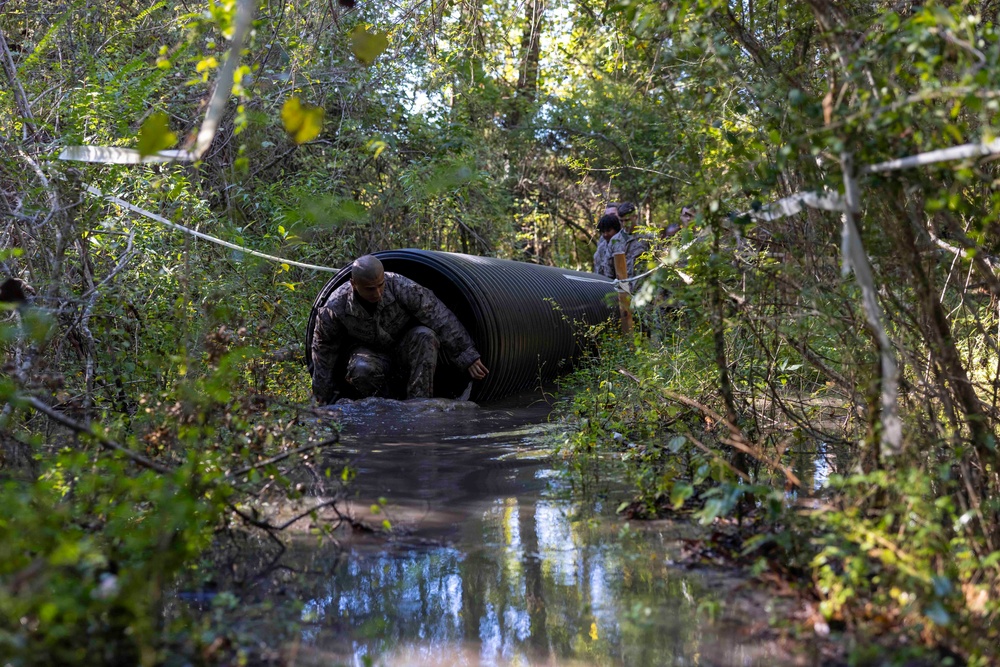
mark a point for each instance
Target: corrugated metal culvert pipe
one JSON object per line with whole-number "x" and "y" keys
{"x": 524, "y": 318}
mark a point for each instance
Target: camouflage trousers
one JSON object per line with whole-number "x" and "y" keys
{"x": 413, "y": 360}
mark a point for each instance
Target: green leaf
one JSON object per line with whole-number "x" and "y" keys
{"x": 206, "y": 64}
{"x": 679, "y": 494}
{"x": 367, "y": 46}
{"x": 155, "y": 135}
{"x": 303, "y": 122}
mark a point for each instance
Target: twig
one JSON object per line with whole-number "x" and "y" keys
{"x": 280, "y": 457}
{"x": 738, "y": 441}
{"x": 325, "y": 503}
{"x": 122, "y": 263}
{"x": 104, "y": 440}
{"x": 714, "y": 454}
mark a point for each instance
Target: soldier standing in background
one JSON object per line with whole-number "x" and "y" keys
{"x": 625, "y": 241}
{"x": 607, "y": 227}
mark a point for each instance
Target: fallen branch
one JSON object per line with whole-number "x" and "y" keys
{"x": 141, "y": 460}
{"x": 738, "y": 441}
{"x": 715, "y": 455}
{"x": 280, "y": 457}
{"x": 326, "y": 503}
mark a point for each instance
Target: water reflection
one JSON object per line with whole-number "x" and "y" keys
{"x": 521, "y": 574}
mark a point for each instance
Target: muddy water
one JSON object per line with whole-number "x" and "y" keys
{"x": 497, "y": 559}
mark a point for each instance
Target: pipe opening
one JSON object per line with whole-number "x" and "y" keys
{"x": 523, "y": 318}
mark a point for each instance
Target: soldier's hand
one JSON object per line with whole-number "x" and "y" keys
{"x": 477, "y": 370}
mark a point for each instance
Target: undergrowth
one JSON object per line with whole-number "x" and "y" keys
{"x": 890, "y": 555}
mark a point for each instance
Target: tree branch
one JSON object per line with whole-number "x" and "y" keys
{"x": 105, "y": 441}
{"x": 7, "y": 61}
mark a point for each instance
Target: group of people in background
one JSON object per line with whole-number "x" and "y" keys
{"x": 616, "y": 229}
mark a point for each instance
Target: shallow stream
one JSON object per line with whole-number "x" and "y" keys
{"x": 497, "y": 559}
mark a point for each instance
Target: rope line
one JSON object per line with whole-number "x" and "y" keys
{"x": 833, "y": 201}
{"x": 620, "y": 284}
{"x": 173, "y": 225}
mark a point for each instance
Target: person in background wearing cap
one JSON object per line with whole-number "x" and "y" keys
{"x": 625, "y": 241}
{"x": 687, "y": 216}
{"x": 601, "y": 257}
{"x": 607, "y": 227}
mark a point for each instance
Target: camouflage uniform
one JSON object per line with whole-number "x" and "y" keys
{"x": 603, "y": 259}
{"x": 633, "y": 245}
{"x": 370, "y": 350}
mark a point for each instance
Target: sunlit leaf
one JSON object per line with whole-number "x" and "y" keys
{"x": 155, "y": 135}
{"x": 377, "y": 147}
{"x": 303, "y": 122}
{"x": 367, "y": 46}
{"x": 206, "y": 64}
{"x": 680, "y": 493}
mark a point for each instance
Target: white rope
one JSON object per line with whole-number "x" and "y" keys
{"x": 943, "y": 155}
{"x": 159, "y": 218}
{"x": 620, "y": 284}
{"x": 832, "y": 201}
{"x": 827, "y": 201}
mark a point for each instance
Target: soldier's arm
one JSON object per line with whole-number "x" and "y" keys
{"x": 636, "y": 250}
{"x": 432, "y": 313}
{"x": 327, "y": 335}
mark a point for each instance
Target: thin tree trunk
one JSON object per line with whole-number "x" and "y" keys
{"x": 527, "y": 80}
{"x": 20, "y": 98}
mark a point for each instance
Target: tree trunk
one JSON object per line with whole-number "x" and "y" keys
{"x": 527, "y": 80}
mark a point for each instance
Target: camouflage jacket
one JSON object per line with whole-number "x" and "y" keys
{"x": 603, "y": 259}
{"x": 633, "y": 245}
{"x": 342, "y": 323}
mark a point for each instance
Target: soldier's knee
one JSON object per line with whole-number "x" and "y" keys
{"x": 424, "y": 336}
{"x": 364, "y": 374}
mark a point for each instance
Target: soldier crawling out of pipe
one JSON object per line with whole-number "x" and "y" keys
{"x": 381, "y": 330}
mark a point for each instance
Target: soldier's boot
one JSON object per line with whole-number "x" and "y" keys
{"x": 367, "y": 371}
{"x": 419, "y": 351}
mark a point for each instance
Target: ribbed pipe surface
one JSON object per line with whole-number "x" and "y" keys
{"x": 524, "y": 318}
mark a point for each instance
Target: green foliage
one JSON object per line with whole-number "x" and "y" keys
{"x": 88, "y": 552}
{"x": 904, "y": 549}
{"x": 471, "y": 133}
